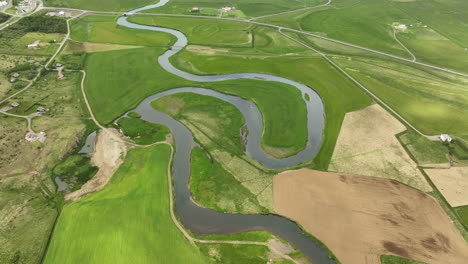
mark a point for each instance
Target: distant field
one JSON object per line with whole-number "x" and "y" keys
{"x": 137, "y": 196}
{"x": 108, "y": 5}
{"x": 142, "y": 132}
{"x": 432, "y": 101}
{"x": 103, "y": 29}
{"x": 204, "y": 31}
{"x": 249, "y": 8}
{"x": 436, "y": 34}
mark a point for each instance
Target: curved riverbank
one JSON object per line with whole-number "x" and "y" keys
{"x": 203, "y": 221}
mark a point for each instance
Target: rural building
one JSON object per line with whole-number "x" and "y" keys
{"x": 14, "y": 104}
{"x": 227, "y": 9}
{"x": 34, "y": 45}
{"x": 31, "y": 137}
{"x": 195, "y": 9}
{"x": 31, "y": 61}
{"x": 401, "y": 27}
{"x": 3, "y": 3}
{"x": 445, "y": 138}
{"x": 15, "y": 75}
{"x": 60, "y": 76}
{"x": 58, "y": 65}
{"x": 41, "y": 110}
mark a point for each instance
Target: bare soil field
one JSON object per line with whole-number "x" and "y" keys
{"x": 360, "y": 218}
{"x": 453, "y": 183}
{"x": 108, "y": 156}
{"x": 367, "y": 146}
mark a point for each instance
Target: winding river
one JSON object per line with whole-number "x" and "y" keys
{"x": 203, "y": 221}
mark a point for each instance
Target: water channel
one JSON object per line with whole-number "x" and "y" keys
{"x": 203, "y": 221}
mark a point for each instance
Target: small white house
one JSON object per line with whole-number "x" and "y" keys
{"x": 445, "y": 138}
{"x": 401, "y": 27}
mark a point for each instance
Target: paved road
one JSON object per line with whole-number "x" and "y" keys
{"x": 433, "y": 138}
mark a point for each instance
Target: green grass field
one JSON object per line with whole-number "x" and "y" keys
{"x": 434, "y": 102}
{"x": 127, "y": 221}
{"x": 463, "y": 214}
{"x": 248, "y": 8}
{"x": 424, "y": 150}
{"x": 436, "y": 31}
{"x": 215, "y": 188}
{"x": 108, "y": 5}
{"x": 103, "y": 29}
{"x": 142, "y": 132}
{"x": 389, "y": 259}
{"x": 204, "y": 31}
{"x": 339, "y": 95}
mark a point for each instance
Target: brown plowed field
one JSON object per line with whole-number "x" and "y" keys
{"x": 360, "y": 218}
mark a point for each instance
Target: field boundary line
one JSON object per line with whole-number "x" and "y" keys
{"x": 375, "y": 97}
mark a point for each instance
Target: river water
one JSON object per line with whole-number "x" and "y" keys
{"x": 203, "y": 221}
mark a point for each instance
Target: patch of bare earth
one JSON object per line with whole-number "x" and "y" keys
{"x": 453, "y": 183}
{"x": 367, "y": 146}
{"x": 360, "y": 218}
{"x": 109, "y": 154}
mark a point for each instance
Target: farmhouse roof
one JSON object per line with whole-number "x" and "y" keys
{"x": 445, "y": 137}
{"x": 15, "y": 75}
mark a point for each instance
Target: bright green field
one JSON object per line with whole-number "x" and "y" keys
{"x": 107, "y": 5}
{"x": 204, "y": 31}
{"x": 249, "y": 8}
{"x": 389, "y": 259}
{"x": 103, "y": 29}
{"x": 142, "y": 132}
{"x": 463, "y": 214}
{"x": 126, "y": 222}
{"x": 434, "y": 102}
{"x": 338, "y": 94}
{"x": 424, "y": 150}
{"x": 112, "y": 92}
{"x": 436, "y": 34}
{"x": 221, "y": 119}
{"x": 215, "y": 188}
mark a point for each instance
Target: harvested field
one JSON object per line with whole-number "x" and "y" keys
{"x": 109, "y": 155}
{"x": 453, "y": 183}
{"x": 367, "y": 146}
{"x": 360, "y": 218}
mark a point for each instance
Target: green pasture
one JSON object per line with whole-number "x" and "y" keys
{"x": 127, "y": 221}
{"x": 108, "y": 5}
{"x": 221, "y": 119}
{"x": 423, "y": 150}
{"x": 434, "y": 102}
{"x": 339, "y": 94}
{"x": 202, "y": 31}
{"x": 103, "y": 29}
{"x": 390, "y": 259}
{"x": 215, "y": 188}
{"x": 462, "y": 213}
{"x": 142, "y": 132}
{"x": 448, "y": 18}
{"x": 249, "y": 8}
{"x": 60, "y": 97}
{"x": 431, "y": 47}
{"x": 436, "y": 31}
{"x": 112, "y": 92}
